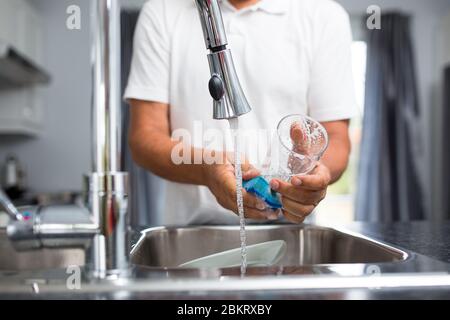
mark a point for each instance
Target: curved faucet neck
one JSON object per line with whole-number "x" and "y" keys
{"x": 9, "y": 207}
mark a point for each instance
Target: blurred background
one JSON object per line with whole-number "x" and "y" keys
{"x": 398, "y": 169}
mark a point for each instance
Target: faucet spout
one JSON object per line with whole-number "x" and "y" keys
{"x": 9, "y": 207}
{"x": 224, "y": 86}
{"x": 106, "y": 188}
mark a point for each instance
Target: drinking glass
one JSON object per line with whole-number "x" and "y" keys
{"x": 298, "y": 144}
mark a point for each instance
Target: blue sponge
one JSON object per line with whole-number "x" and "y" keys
{"x": 261, "y": 188}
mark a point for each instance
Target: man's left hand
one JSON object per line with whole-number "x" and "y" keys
{"x": 303, "y": 194}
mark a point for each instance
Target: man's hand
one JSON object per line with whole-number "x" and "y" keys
{"x": 221, "y": 180}
{"x": 303, "y": 194}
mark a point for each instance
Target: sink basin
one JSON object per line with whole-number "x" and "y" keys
{"x": 171, "y": 247}
{"x": 11, "y": 260}
{"x": 316, "y": 260}
{"x": 306, "y": 245}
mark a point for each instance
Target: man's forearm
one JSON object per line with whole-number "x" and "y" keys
{"x": 157, "y": 158}
{"x": 336, "y": 157}
{"x": 153, "y": 151}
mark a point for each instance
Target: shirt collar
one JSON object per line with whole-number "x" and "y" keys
{"x": 273, "y": 6}
{"x": 269, "y": 6}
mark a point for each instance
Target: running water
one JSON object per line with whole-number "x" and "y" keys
{"x": 234, "y": 124}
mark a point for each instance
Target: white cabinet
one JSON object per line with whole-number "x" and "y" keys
{"x": 21, "y": 111}
{"x": 12, "y": 17}
{"x": 30, "y": 31}
{"x": 21, "y": 27}
{"x": 7, "y": 22}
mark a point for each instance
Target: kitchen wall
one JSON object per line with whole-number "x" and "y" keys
{"x": 57, "y": 159}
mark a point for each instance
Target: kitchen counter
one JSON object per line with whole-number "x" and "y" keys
{"x": 430, "y": 240}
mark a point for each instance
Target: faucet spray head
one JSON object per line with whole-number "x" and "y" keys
{"x": 224, "y": 86}
{"x": 229, "y": 98}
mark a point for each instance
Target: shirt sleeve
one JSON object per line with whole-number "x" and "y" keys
{"x": 331, "y": 94}
{"x": 150, "y": 67}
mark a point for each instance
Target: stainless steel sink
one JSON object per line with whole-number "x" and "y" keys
{"x": 170, "y": 247}
{"x": 318, "y": 260}
{"x": 306, "y": 245}
{"x": 11, "y": 260}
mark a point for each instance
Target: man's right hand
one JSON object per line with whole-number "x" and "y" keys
{"x": 221, "y": 180}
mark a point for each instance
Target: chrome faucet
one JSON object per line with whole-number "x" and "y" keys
{"x": 102, "y": 226}
{"x": 9, "y": 207}
{"x": 224, "y": 86}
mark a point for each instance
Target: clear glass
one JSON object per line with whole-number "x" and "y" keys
{"x": 299, "y": 143}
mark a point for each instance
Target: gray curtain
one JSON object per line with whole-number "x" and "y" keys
{"x": 146, "y": 200}
{"x": 389, "y": 187}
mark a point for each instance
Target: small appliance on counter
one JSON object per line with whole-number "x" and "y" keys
{"x": 13, "y": 178}
{"x": 14, "y": 185}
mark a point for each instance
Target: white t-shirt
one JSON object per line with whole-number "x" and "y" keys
{"x": 292, "y": 56}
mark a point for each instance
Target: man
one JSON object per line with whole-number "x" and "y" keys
{"x": 292, "y": 57}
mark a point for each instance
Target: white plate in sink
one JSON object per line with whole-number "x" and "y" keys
{"x": 259, "y": 255}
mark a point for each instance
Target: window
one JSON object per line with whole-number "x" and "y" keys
{"x": 338, "y": 207}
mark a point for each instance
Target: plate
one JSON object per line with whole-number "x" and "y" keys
{"x": 259, "y": 255}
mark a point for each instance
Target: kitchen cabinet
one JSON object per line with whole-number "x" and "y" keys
{"x": 21, "y": 111}
{"x": 7, "y": 22}
{"x": 21, "y": 28}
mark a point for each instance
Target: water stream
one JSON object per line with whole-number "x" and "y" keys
{"x": 234, "y": 124}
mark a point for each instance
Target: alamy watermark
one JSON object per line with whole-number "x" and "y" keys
{"x": 73, "y": 21}
{"x": 373, "y": 21}
{"x": 73, "y": 281}
{"x": 200, "y": 144}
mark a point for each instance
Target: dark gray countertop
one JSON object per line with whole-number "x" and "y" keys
{"x": 429, "y": 239}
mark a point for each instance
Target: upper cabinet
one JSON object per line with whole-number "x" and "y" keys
{"x": 21, "y": 72}
{"x": 7, "y": 22}
{"x": 21, "y": 27}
